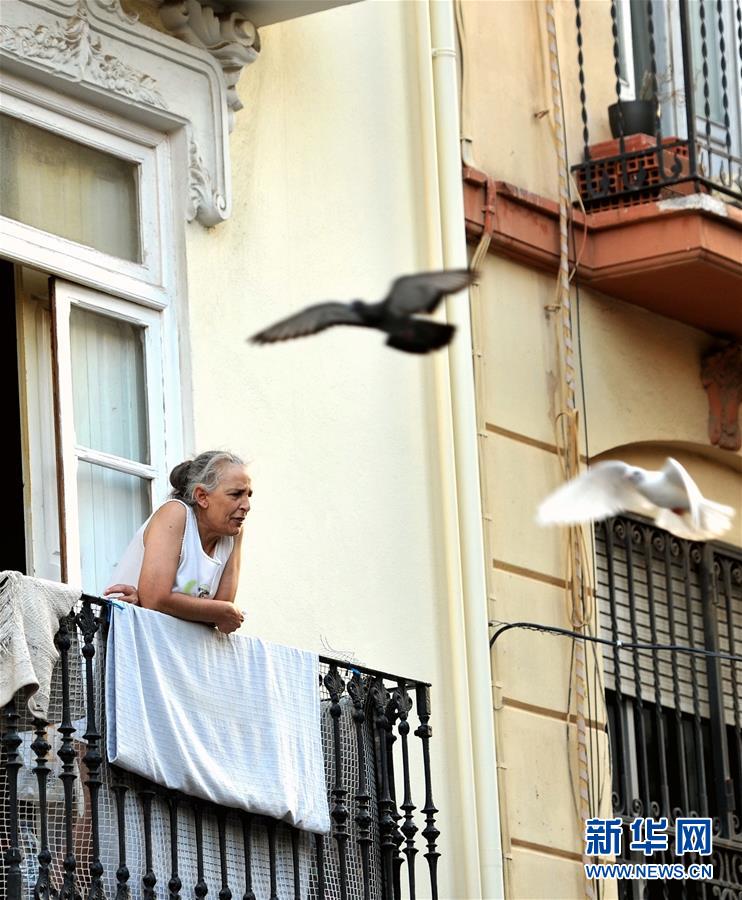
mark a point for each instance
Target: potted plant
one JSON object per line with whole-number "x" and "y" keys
{"x": 636, "y": 116}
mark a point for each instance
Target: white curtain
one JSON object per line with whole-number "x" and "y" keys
{"x": 108, "y": 384}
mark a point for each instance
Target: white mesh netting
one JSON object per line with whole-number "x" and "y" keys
{"x": 29, "y": 814}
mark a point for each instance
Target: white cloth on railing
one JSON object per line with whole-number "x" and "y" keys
{"x": 30, "y": 612}
{"x": 227, "y": 718}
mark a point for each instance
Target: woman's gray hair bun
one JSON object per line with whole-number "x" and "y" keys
{"x": 204, "y": 470}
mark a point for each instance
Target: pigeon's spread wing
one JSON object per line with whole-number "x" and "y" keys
{"x": 309, "y": 321}
{"x": 423, "y": 292}
{"x": 602, "y": 491}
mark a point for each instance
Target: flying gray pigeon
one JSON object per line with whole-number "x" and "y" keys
{"x": 394, "y": 314}
{"x": 669, "y": 496}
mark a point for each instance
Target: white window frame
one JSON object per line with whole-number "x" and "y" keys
{"x": 151, "y": 281}
{"x": 626, "y": 44}
{"x": 151, "y": 293}
{"x": 70, "y": 453}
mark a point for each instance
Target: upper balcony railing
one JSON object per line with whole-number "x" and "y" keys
{"x": 683, "y": 133}
{"x": 71, "y": 825}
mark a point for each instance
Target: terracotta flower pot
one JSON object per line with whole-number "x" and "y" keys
{"x": 638, "y": 117}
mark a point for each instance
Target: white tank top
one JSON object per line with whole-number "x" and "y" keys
{"x": 198, "y": 573}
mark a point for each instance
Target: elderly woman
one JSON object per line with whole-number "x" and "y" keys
{"x": 185, "y": 559}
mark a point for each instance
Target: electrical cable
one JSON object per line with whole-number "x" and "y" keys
{"x": 619, "y": 644}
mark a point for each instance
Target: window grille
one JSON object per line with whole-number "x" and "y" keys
{"x": 674, "y": 716}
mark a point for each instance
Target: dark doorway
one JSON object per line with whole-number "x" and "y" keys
{"x": 13, "y": 542}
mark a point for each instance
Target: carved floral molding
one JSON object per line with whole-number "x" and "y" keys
{"x": 71, "y": 48}
{"x": 721, "y": 374}
{"x": 183, "y": 85}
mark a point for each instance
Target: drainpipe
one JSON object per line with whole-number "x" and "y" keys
{"x": 466, "y": 460}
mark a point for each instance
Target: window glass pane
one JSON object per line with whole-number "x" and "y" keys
{"x": 108, "y": 386}
{"x": 69, "y": 189}
{"x": 112, "y": 506}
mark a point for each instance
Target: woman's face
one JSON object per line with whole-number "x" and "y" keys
{"x": 224, "y": 509}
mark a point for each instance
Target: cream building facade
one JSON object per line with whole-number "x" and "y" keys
{"x": 283, "y": 157}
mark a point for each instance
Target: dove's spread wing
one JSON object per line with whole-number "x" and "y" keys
{"x": 704, "y": 520}
{"x": 602, "y": 491}
{"x": 423, "y": 292}
{"x": 309, "y": 321}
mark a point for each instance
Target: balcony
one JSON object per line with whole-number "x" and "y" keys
{"x": 72, "y": 825}
{"x": 656, "y": 218}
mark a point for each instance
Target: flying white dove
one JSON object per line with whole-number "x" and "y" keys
{"x": 669, "y": 496}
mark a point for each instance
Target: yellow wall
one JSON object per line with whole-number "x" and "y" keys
{"x": 507, "y": 103}
{"x": 643, "y": 400}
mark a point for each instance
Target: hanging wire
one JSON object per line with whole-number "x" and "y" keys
{"x": 502, "y": 627}
{"x": 578, "y": 592}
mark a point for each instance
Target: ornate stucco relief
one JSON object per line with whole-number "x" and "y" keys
{"x": 69, "y": 47}
{"x": 84, "y": 47}
{"x": 230, "y": 38}
{"x": 205, "y": 203}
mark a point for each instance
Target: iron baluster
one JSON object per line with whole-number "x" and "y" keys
{"x": 379, "y": 697}
{"x": 655, "y": 91}
{"x": 221, "y": 820}
{"x": 201, "y": 889}
{"x": 583, "y": 101}
{"x": 339, "y": 813}
{"x": 13, "y": 856}
{"x": 272, "y": 858}
{"x": 663, "y": 807}
{"x": 690, "y": 104}
{"x": 649, "y": 539}
{"x": 693, "y": 556}
{"x": 672, "y": 548}
{"x": 247, "y": 844}
{"x": 705, "y": 72}
{"x": 67, "y": 754}
{"x": 120, "y": 788}
{"x": 319, "y": 846}
{"x": 295, "y": 862}
{"x": 357, "y": 691}
{"x": 719, "y": 753}
{"x": 617, "y": 70}
{"x": 149, "y": 880}
{"x": 43, "y": 889}
{"x": 430, "y": 832}
{"x": 643, "y": 805}
{"x": 390, "y": 714}
{"x": 88, "y": 625}
{"x": 621, "y": 735}
{"x": 174, "y": 884}
{"x": 409, "y": 829}
{"x": 724, "y": 92}
{"x": 733, "y": 573}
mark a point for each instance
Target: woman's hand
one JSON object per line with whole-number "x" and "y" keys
{"x": 126, "y": 592}
{"x": 227, "y": 617}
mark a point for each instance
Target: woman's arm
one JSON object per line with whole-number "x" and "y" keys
{"x": 162, "y": 542}
{"x": 227, "y": 589}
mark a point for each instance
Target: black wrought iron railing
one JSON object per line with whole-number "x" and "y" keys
{"x": 674, "y": 716}
{"x": 684, "y": 61}
{"x": 73, "y": 826}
